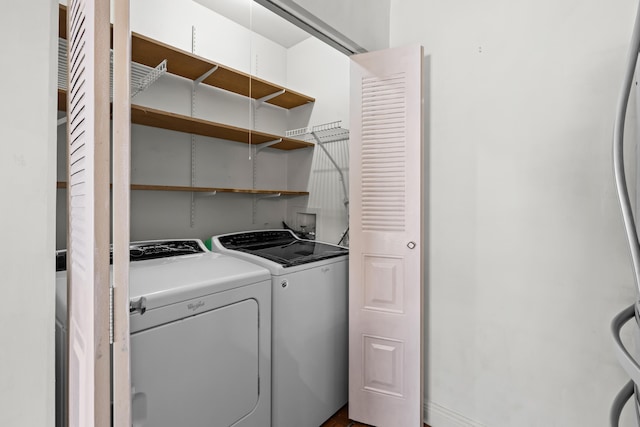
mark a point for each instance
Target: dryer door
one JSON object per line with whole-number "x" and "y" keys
{"x": 198, "y": 371}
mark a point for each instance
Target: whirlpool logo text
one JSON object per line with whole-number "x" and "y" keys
{"x": 194, "y": 306}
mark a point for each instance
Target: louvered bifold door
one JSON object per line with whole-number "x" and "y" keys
{"x": 386, "y": 243}
{"x": 88, "y": 213}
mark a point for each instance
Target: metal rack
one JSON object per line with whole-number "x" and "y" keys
{"x": 324, "y": 134}
{"x": 142, "y": 76}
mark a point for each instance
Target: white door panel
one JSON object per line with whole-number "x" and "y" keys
{"x": 88, "y": 207}
{"x": 385, "y": 281}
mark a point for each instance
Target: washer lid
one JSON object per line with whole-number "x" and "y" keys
{"x": 170, "y": 280}
{"x": 280, "y": 246}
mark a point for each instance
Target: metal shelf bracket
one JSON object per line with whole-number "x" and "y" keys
{"x": 207, "y": 193}
{"x": 269, "y": 196}
{"x": 205, "y": 75}
{"x": 260, "y": 147}
{"x": 262, "y": 101}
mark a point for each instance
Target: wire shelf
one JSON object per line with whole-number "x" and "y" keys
{"x": 142, "y": 76}
{"x": 325, "y": 133}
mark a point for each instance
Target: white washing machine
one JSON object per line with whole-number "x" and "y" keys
{"x": 200, "y": 337}
{"x": 309, "y": 321}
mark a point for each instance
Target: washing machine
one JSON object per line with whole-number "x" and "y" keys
{"x": 200, "y": 337}
{"x": 309, "y": 344}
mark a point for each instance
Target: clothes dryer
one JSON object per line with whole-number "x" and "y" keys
{"x": 200, "y": 337}
{"x": 310, "y": 326}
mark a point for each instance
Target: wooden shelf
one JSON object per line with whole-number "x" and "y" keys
{"x": 150, "y": 52}
{"x": 177, "y": 122}
{"x": 141, "y": 187}
{"x": 62, "y": 100}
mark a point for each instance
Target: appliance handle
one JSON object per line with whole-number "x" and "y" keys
{"x": 618, "y": 151}
{"x": 621, "y": 399}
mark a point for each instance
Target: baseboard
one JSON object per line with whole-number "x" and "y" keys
{"x": 438, "y": 416}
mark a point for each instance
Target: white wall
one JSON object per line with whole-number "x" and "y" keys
{"x": 321, "y": 71}
{"x": 27, "y": 170}
{"x": 528, "y": 262}
{"x": 217, "y": 37}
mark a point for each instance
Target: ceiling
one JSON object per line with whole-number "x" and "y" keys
{"x": 258, "y": 19}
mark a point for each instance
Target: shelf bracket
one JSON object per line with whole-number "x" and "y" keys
{"x": 205, "y": 75}
{"x": 150, "y": 78}
{"x": 207, "y": 193}
{"x": 260, "y": 147}
{"x": 269, "y": 196}
{"x": 261, "y": 101}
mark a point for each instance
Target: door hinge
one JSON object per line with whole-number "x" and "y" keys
{"x": 111, "y": 315}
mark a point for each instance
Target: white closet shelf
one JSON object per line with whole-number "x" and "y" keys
{"x": 144, "y": 187}
{"x": 147, "y": 116}
{"x": 150, "y": 52}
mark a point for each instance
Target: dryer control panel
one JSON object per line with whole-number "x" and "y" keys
{"x": 148, "y": 249}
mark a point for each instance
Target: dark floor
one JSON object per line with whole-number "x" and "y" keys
{"x": 341, "y": 419}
